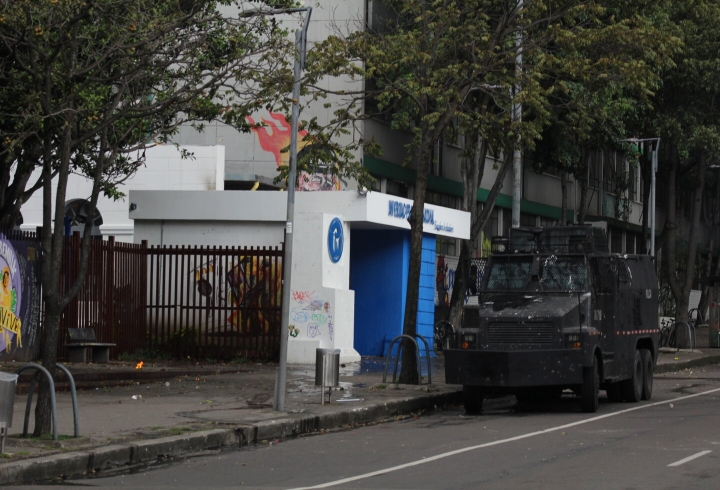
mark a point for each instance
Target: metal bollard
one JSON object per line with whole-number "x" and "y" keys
{"x": 8, "y": 383}
{"x": 327, "y": 371}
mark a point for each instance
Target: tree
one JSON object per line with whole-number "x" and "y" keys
{"x": 592, "y": 70}
{"x": 687, "y": 120}
{"x": 98, "y": 81}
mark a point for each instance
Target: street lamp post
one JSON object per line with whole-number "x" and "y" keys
{"x": 654, "y": 164}
{"x": 300, "y": 54}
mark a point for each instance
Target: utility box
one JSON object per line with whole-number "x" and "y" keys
{"x": 8, "y": 383}
{"x": 327, "y": 370}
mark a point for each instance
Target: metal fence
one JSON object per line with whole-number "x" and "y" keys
{"x": 113, "y": 298}
{"x": 175, "y": 302}
{"x": 214, "y": 302}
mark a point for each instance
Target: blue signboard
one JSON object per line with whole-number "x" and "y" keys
{"x": 335, "y": 240}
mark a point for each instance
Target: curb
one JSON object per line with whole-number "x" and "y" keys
{"x": 119, "y": 455}
{"x": 677, "y": 366}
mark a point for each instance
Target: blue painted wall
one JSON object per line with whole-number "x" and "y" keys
{"x": 379, "y": 261}
{"x": 426, "y": 299}
{"x": 378, "y": 275}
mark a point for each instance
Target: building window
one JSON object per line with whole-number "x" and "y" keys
{"x": 616, "y": 240}
{"x": 446, "y": 246}
{"x": 545, "y": 222}
{"x": 609, "y": 171}
{"x": 444, "y": 200}
{"x": 506, "y": 221}
{"x": 528, "y": 220}
{"x": 629, "y": 243}
{"x": 397, "y": 188}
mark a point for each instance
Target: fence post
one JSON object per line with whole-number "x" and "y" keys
{"x": 110, "y": 291}
{"x": 144, "y": 310}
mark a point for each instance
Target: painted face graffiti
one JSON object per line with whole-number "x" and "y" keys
{"x": 10, "y": 297}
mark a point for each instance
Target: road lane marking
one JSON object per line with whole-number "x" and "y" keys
{"x": 689, "y": 458}
{"x": 503, "y": 441}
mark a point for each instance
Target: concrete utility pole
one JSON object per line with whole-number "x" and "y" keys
{"x": 517, "y": 116}
{"x": 300, "y": 54}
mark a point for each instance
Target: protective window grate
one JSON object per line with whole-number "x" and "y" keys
{"x": 530, "y": 333}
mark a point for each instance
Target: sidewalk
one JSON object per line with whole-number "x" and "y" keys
{"x": 130, "y": 416}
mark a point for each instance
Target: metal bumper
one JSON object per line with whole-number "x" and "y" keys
{"x": 513, "y": 369}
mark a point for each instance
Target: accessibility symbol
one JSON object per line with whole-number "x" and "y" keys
{"x": 335, "y": 240}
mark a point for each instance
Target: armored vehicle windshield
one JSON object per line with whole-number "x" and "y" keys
{"x": 532, "y": 273}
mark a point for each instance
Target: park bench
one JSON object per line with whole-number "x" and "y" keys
{"x": 82, "y": 339}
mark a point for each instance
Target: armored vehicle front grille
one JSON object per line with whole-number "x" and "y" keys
{"x": 527, "y": 333}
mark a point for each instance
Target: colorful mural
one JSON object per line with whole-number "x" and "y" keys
{"x": 251, "y": 286}
{"x": 445, "y": 268}
{"x": 19, "y": 300}
{"x": 274, "y": 137}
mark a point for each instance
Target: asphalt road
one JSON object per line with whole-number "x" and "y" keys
{"x": 671, "y": 442}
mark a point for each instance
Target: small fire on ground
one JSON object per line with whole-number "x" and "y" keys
{"x": 139, "y": 365}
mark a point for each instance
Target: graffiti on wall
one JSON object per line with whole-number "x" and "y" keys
{"x": 250, "y": 287}
{"x": 274, "y": 137}
{"x": 445, "y": 268}
{"x": 19, "y": 299}
{"x": 310, "y": 315}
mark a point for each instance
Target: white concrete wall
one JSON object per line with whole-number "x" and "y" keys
{"x": 245, "y": 157}
{"x": 322, "y": 308}
{"x": 164, "y": 169}
{"x": 215, "y": 233}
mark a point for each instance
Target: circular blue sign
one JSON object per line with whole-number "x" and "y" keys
{"x": 335, "y": 240}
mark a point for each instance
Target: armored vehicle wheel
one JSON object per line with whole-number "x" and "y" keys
{"x": 614, "y": 392}
{"x": 590, "y": 388}
{"x": 473, "y": 399}
{"x": 633, "y": 388}
{"x": 647, "y": 384}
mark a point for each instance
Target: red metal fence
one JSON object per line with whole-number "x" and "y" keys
{"x": 113, "y": 298}
{"x": 202, "y": 302}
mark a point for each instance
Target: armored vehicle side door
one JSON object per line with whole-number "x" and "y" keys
{"x": 604, "y": 308}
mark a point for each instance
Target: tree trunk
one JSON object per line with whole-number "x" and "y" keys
{"x": 43, "y": 409}
{"x": 409, "y": 373}
{"x": 564, "y": 186}
{"x": 476, "y": 226}
{"x": 681, "y": 290}
{"x": 704, "y": 304}
{"x": 646, "y": 175}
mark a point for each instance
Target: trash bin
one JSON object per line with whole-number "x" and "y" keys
{"x": 327, "y": 370}
{"x": 8, "y": 383}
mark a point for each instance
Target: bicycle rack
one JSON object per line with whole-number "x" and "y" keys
{"x": 417, "y": 355}
{"x": 31, "y": 390}
{"x": 691, "y": 333}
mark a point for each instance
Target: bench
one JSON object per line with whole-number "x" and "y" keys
{"x": 83, "y": 338}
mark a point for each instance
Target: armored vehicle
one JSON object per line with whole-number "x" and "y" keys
{"x": 550, "y": 310}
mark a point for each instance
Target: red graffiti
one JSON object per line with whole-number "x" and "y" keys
{"x": 302, "y": 296}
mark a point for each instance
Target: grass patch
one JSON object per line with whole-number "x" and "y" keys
{"x": 49, "y": 437}
{"x": 23, "y": 453}
{"x": 5, "y": 455}
{"x": 176, "y": 431}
